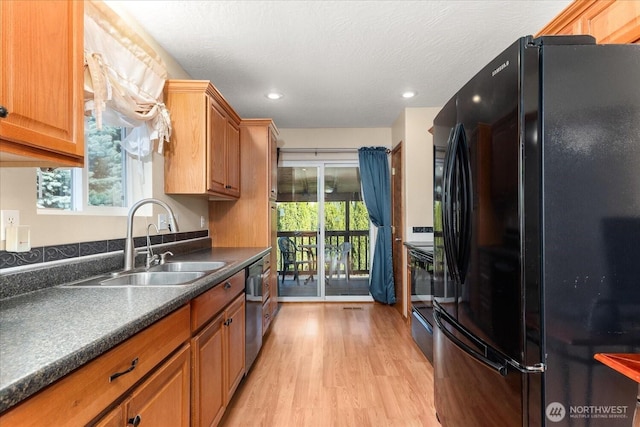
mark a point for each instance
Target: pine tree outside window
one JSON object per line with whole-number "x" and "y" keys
{"x": 101, "y": 183}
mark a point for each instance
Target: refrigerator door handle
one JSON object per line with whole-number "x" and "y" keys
{"x": 457, "y": 203}
{"x": 538, "y": 368}
{"x": 466, "y": 203}
{"x": 500, "y": 368}
{"x": 447, "y": 204}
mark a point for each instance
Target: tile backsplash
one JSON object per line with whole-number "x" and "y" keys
{"x": 76, "y": 250}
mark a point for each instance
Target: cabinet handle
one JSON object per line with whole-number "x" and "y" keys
{"x": 227, "y": 187}
{"x": 134, "y": 362}
{"x": 228, "y": 321}
{"x": 227, "y": 285}
{"x": 135, "y": 421}
{"x": 3, "y": 112}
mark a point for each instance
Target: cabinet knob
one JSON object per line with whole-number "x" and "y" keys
{"x": 135, "y": 421}
{"x": 227, "y": 285}
{"x": 3, "y": 112}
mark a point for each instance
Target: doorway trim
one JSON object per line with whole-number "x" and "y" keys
{"x": 320, "y": 253}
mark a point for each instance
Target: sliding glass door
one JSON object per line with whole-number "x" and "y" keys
{"x": 323, "y": 233}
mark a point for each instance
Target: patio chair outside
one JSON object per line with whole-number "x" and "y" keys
{"x": 289, "y": 258}
{"x": 340, "y": 261}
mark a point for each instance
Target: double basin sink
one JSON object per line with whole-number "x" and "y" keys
{"x": 168, "y": 274}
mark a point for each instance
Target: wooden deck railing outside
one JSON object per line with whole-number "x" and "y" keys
{"x": 359, "y": 256}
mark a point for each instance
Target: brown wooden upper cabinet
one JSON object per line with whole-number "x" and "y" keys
{"x": 203, "y": 156}
{"x": 41, "y": 83}
{"x": 609, "y": 21}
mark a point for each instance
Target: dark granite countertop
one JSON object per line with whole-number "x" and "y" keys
{"x": 46, "y": 334}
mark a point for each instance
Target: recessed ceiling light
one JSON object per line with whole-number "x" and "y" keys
{"x": 274, "y": 95}
{"x": 409, "y": 94}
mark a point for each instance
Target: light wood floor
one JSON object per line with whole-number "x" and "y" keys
{"x": 336, "y": 364}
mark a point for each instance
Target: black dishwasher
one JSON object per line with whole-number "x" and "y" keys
{"x": 253, "y": 312}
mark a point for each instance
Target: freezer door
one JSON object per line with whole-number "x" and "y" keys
{"x": 469, "y": 394}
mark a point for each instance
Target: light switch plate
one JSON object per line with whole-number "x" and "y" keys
{"x": 162, "y": 222}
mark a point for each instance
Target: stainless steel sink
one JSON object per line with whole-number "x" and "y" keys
{"x": 189, "y": 266}
{"x": 142, "y": 278}
{"x": 153, "y": 278}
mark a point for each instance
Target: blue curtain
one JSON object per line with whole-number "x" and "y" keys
{"x": 376, "y": 191}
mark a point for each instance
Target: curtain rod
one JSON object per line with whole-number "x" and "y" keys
{"x": 320, "y": 150}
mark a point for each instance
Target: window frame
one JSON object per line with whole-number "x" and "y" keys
{"x": 138, "y": 176}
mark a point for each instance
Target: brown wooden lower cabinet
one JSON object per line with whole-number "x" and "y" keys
{"x": 83, "y": 395}
{"x": 208, "y": 370}
{"x": 218, "y": 364}
{"x": 182, "y": 370}
{"x": 234, "y": 340}
{"x": 161, "y": 400}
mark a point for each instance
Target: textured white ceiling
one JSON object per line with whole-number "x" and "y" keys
{"x": 338, "y": 63}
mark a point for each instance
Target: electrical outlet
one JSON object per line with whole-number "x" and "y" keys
{"x": 202, "y": 222}
{"x": 8, "y": 218}
{"x": 162, "y": 222}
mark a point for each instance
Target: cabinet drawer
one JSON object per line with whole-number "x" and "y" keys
{"x": 266, "y": 263}
{"x": 207, "y": 305}
{"x": 266, "y": 285}
{"x": 82, "y": 395}
{"x": 266, "y": 315}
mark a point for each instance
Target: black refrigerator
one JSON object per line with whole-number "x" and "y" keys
{"x": 537, "y": 207}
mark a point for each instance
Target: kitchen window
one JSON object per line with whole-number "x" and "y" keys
{"x": 103, "y": 187}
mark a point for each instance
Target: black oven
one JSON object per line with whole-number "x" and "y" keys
{"x": 421, "y": 273}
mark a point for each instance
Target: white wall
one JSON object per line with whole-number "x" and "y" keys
{"x": 412, "y": 129}
{"x": 418, "y": 169}
{"x": 334, "y": 138}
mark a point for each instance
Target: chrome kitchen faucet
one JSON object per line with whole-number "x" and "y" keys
{"x": 129, "y": 249}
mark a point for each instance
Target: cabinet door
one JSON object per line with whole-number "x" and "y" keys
{"x": 613, "y": 22}
{"x": 217, "y": 149}
{"x": 232, "y": 185}
{"x": 115, "y": 418}
{"x": 186, "y": 161}
{"x": 207, "y": 383}
{"x": 163, "y": 399}
{"x": 41, "y": 80}
{"x": 609, "y": 21}
{"x": 235, "y": 345}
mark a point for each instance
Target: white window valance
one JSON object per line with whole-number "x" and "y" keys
{"x": 124, "y": 79}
